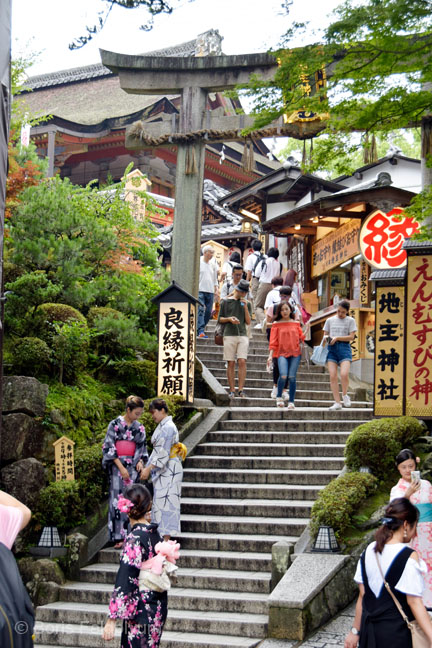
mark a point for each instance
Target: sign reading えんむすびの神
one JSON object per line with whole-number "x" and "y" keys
{"x": 418, "y": 388}
{"x": 64, "y": 459}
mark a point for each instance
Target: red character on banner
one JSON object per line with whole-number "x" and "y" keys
{"x": 422, "y": 355}
{"x": 385, "y": 235}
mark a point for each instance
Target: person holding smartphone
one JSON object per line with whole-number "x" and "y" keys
{"x": 235, "y": 313}
{"x": 419, "y": 493}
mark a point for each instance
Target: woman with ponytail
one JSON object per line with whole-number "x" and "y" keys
{"x": 419, "y": 493}
{"x": 377, "y": 620}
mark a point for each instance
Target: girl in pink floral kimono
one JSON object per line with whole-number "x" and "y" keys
{"x": 143, "y": 611}
{"x": 419, "y": 493}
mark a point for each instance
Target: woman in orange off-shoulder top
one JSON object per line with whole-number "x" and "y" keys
{"x": 285, "y": 344}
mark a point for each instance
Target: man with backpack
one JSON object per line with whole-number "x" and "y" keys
{"x": 252, "y": 263}
{"x": 231, "y": 282}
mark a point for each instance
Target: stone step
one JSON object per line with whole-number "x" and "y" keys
{"x": 289, "y": 476}
{"x": 261, "y": 491}
{"x": 255, "y": 355}
{"x": 276, "y": 437}
{"x": 207, "y": 559}
{"x": 284, "y": 526}
{"x": 248, "y": 507}
{"x": 259, "y": 363}
{"x": 225, "y": 579}
{"x": 220, "y": 372}
{"x": 270, "y": 449}
{"x": 266, "y": 383}
{"x": 274, "y": 414}
{"x": 182, "y": 598}
{"x": 299, "y": 402}
{"x": 289, "y": 424}
{"x": 302, "y": 394}
{"x": 50, "y": 634}
{"x": 240, "y": 624}
{"x": 217, "y": 463}
{"x": 241, "y": 542}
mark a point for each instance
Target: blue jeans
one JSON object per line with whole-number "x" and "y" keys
{"x": 204, "y": 312}
{"x": 288, "y": 368}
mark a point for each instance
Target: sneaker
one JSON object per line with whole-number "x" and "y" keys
{"x": 231, "y": 394}
{"x": 203, "y": 336}
{"x": 241, "y": 394}
{"x": 335, "y": 406}
{"x": 291, "y": 406}
{"x": 273, "y": 392}
{"x": 346, "y": 401}
{"x": 285, "y": 395}
{"x": 279, "y": 402}
{"x": 258, "y": 326}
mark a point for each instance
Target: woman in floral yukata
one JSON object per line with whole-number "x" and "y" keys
{"x": 166, "y": 470}
{"x": 143, "y": 611}
{"x": 124, "y": 456}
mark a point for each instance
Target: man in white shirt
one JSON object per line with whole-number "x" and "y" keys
{"x": 208, "y": 288}
{"x": 251, "y": 264}
{"x": 231, "y": 282}
{"x": 266, "y": 270}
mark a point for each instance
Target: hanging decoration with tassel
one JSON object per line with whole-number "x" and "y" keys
{"x": 248, "y": 158}
{"x": 191, "y": 164}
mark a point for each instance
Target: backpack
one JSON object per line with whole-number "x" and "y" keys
{"x": 260, "y": 257}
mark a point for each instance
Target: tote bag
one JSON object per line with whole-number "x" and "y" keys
{"x": 320, "y": 353}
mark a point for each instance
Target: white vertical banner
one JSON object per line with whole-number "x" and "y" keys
{"x": 25, "y": 135}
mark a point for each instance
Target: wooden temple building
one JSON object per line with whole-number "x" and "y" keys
{"x": 84, "y": 118}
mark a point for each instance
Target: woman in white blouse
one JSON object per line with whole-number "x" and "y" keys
{"x": 377, "y": 621}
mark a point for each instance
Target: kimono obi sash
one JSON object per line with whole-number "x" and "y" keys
{"x": 425, "y": 512}
{"x": 125, "y": 448}
{"x": 178, "y": 450}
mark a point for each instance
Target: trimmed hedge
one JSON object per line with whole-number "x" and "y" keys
{"x": 376, "y": 443}
{"x": 31, "y": 357}
{"x": 136, "y": 376}
{"x": 338, "y": 502}
{"x": 60, "y": 505}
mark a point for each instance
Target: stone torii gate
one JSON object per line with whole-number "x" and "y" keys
{"x": 193, "y": 78}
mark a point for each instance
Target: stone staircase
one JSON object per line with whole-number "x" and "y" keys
{"x": 251, "y": 483}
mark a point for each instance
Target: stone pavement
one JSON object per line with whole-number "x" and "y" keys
{"x": 329, "y": 636}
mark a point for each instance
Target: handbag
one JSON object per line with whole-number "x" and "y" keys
{"x": 320, "y": 353}
{"x": 157, "y": 573}
{"x": 218, "y": 334}
{"x": 418, "y": 637}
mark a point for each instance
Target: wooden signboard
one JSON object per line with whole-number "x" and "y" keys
{"x": 64, "y": 459}
{"x": 418, "y": 385}
{"x": 389, "y": 351}
{"x": 336, "y": 247}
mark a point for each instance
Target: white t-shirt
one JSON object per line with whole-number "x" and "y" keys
{"x": 251, "y": 261}
{"x": 273, "y": 297}
{"x": 228, "y": 269}
{"x": 208, "y": 276}
{"x": 411, "y": 582}
{"x": 10, "y": 524}
{"x": 267, "y": 271}
{"x": 340, "y": 327}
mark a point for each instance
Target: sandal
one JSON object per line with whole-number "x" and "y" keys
{"x": 241, "y": 394}
{"x": 118, "y": 545}
{"x": 231, "y": 394}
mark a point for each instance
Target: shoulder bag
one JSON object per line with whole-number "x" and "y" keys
{"x": 218, "y": 334}
{"x": 320, "y": 353}
{"x": 419, "y": 639}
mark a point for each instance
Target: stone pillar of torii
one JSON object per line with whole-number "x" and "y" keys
{"x": 194, "y": 78}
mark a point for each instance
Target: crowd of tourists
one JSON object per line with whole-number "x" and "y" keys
{"x": 260, "y": 296}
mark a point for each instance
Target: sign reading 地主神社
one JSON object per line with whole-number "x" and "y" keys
{"x": 382, "y": 237}
{"x": 389, "y": 351}
{"x": 418, "y": 395}
{"x": 176, "y": 337}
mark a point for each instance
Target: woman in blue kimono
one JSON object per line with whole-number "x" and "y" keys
{"x": 124, "y": 456}
{"x": 166, "y": 471}
{"x": 143, "y": 611}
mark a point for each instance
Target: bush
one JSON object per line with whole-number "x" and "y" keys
{"x": 48, "y": 313}
{"x": 339, "y": 501}
{"x": 115, "y": 334}
{"x": 136, "y": 376}
{"x": 376, "y": 443}
{"x": 31, "y": 357}
{"x": 70, "y": 345}
{"x": 60, "y": 505}
{"x": 96, "y": 312}
{"x": 92, "y": 480}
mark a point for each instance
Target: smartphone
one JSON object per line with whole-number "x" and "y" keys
{"x": 415, "y": 475}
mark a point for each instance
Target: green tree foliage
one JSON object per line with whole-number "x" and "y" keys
{"x": 377, "y": 58}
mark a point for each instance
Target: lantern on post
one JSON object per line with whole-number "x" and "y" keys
{"x": 176, "y": 341}
{"x": 325, "y": 541}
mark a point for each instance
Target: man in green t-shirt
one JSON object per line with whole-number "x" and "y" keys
{"x": 235, "y": 312}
